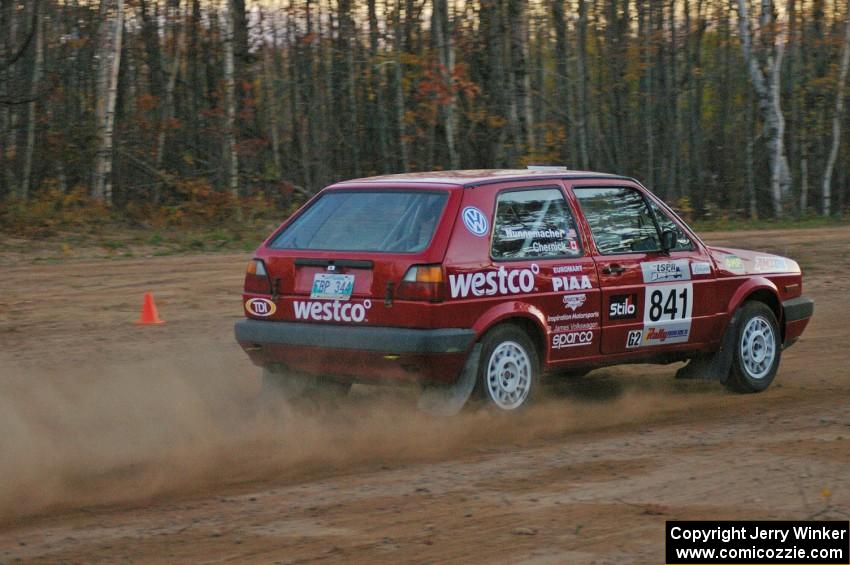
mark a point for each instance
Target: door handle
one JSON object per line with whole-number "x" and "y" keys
{"x": 614, "y": 269}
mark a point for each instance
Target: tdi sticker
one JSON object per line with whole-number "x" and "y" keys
{"x": 701, "y": 268}
{"x": 260, "y": 307}
{"x": 475, "y": 221}
{"x": 663, "y": 271}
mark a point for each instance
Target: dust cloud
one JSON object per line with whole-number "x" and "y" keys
{"x": 133, "y": 432}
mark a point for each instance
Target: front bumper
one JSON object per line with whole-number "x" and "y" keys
{"x": 796, "y": 314}
{"x": 798, "y": 309}
{"x": 359, "y": 353}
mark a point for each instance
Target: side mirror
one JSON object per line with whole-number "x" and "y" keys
{"x": 668, "y": 240}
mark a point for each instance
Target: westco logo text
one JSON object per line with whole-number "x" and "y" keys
{"x": 331, "y": 311}
{"x": 491, "y": 283}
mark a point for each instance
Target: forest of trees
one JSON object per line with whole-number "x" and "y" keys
{"x": 722, "y": 107}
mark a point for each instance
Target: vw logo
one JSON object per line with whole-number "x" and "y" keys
{"x": 475, "y": 221}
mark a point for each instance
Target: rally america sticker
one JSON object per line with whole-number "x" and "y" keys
{"x": 665, "y": 271}
{"x": 475, "y": 221}
{"x": 671, "y": 333}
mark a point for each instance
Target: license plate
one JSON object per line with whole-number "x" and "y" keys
{"x": 332, "y": 287}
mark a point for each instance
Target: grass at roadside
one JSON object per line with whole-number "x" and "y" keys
{"x": 735, "y": 224}
{"x": 117, "y": 241}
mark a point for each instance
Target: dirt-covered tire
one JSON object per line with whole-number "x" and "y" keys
{"x": 282, "y": 385}
{"x": 509, "y": 369}
{"x": 758, "y": 347}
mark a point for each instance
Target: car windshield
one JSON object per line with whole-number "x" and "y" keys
{"x": 381, "y": 220}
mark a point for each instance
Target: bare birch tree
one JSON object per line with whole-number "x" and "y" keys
{"x": 109, "y": 61}
{"x": 582, "y": 88}
{"x": 230, "y": 102}
{"x": 442, "y": 36}
{"x": 271, "y": 89}
{"x": 836, "y": 117}
{"x": 766, "y": 83}
{"x": 404, "y": 152}
{"x": 179, "y": 36}
{"x": 35, "y": 84}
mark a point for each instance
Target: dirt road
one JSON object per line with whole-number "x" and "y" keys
{"x": 126, "y": 443}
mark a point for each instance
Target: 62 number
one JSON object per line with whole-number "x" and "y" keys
{"x": 669, "y": 304}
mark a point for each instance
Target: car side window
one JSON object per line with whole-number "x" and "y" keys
{"x": 619, "y": 220}
{"x": 665, "y": 222}
{"x": 534, "y": 223}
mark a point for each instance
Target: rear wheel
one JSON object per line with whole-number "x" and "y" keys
{"x": 757, "y": 349}
{"x": 509, "y": 368}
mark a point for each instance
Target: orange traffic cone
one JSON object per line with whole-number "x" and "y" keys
{"x": 150, "y": 317}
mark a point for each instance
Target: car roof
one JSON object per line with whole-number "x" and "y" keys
{"x": 477, "y": 177}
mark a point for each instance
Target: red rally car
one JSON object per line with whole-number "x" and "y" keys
{"x": 481, "y": 281}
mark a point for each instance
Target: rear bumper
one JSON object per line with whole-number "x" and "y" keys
{"x": 364, "y": 338}
{"x": 796, "y": 313}
{"x": 359, "y": 353}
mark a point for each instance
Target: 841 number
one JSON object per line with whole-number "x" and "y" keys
{"x": 668, "y": 302}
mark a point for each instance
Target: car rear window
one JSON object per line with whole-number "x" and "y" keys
{"x": 381, "y": 221}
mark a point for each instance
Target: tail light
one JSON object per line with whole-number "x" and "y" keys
{"x": 422, "y": 282}
{"x": 257, "y": 278}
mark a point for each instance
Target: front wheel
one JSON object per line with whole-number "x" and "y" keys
{"x": 509, "y": 368}
{"x": 757, "y": 349}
